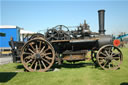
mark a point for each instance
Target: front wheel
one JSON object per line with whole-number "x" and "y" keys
{"x": 109, "y": 57}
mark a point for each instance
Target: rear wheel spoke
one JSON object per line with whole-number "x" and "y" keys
{"x": 46, "y": 49}
{"x": 46, "y": 61}
{"x": 32, "y": 47}
{"x": 35, "y": 66}
{"x": 43, "y": 64}
{"x": 42, "y": 49}
{"x": 32, "y": 63}
{"x": 28, "y": 57}
{"x": 48, "y": 53}
{"x": 29, "y": 61}
{"x": 26, "y": 53}
{"x": 40, "y": 46}
{"x": 49, "y": 58}
{"x": 31, "y": 51}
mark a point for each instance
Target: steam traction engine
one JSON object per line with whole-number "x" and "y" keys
{"x": 58, "y": 44}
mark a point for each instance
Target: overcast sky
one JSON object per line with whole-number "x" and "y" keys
{"x": 35, "y": 15}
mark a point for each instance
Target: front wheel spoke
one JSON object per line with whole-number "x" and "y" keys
{"x": 115, "y": 62}
{"x": 110, "y": 50}
{"x": 46, "y": 61}
{"x": 116, "y": 54}
{"x": 102, "y": 53}
{"x": 105, "y": 63}
{"x": 102, "y": 57}
{"x": 116, "y": 57}
{"x": 107, "y": 53}
{"x": 101, "y": 61}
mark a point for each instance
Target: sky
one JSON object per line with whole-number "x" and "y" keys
{"x": 36, "y": 15}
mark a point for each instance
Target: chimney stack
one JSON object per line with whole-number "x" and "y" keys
{"x": 101, "y": 21}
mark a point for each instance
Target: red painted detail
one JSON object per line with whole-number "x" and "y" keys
{"x": 116, "y": 42}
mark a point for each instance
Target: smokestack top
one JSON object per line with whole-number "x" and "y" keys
{"x": 102, "y": 10}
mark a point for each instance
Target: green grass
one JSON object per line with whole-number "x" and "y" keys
{"x": 80, "y": 74}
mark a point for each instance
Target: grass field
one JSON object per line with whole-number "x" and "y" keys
{"x": 83, "y": 73}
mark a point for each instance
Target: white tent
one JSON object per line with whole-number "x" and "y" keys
{"x": 24, "y": 33}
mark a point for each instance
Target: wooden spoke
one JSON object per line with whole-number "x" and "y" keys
{"x": 107, "y": 53}
{"x": 49, "y": 58}
{"x": 47, "y": 49}
{"x": 102, "y": 57}
{"x": 46, "y": 61}
{"x": 43, "y": 64}
{"x": 48, "y": 53}
{"x": 102, "y": 53}
{"x": 35, "y": 66}
{"x": 105, "y": 63}
{"x": 101, "y": 61}
{"x": 32, "y": 47}
{"x": 29, "y": 61}
{"x": 116, "y": 57}
{"x": 28, "y": 57}
{"x": 115, "y": 54}
{"x": 32, "y": 63}
{"x": 115, "y": 61}
{"x": 42, "y": 49}
{"x": 110, "y": 50}
{"x": 31, "y": 51}
{"x": 40, "y": 46}
{"x": 37, "y": 50}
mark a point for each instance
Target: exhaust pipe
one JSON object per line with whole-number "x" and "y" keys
{"x": 101, "y": 21}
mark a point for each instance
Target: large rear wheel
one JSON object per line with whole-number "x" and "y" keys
{"x": 37, "y": 55}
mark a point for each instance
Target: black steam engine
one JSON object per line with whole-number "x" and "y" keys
{"x": 40, "y": 52}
